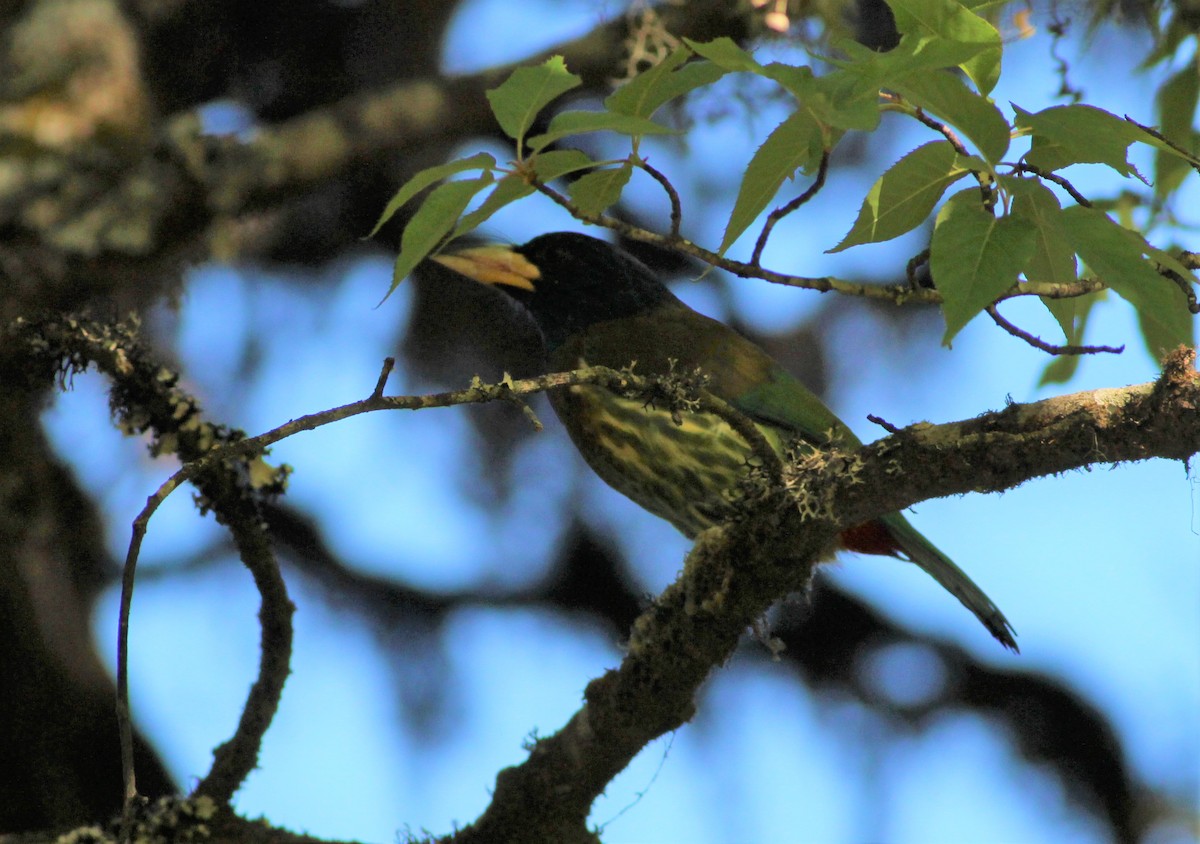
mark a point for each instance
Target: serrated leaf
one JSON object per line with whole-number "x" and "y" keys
{"x": 433, "y": 220}
{"x": 1078, "y": 134}
{"x": 1053, "y": 260}
{"x": 794, "y": 144}
{"x": 1117, "y": 256}
{"x": 647, "y": 92}
{"x": 507, "y": 191}
{"x": 517, "y": 101}
{"x": 974, "y": 257}
{"x": 943, "y": 94}
{"x": 600, "y": 189}
{"x": 903, "y": 197}
{"x": 559, "y": 162}
{"x": 425, "y": 178}
{"x": 725, "y": 53}
{"x": 569, "y": 123}
{"x": 911, "y": 56}
{"x": 851, "y": 101}
{"x": 940, "y": 22}
{"x": 838, "y": 99}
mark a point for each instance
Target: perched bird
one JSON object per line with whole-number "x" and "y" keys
{"x": 597, "y": 305}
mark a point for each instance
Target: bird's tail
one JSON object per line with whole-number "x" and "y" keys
{"x": 953, "y": 579}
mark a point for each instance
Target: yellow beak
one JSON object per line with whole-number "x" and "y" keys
{"x": 493, "y": 265}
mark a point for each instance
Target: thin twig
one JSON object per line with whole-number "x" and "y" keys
{"x": 1039, "y": 343}
{"x": 1061, "y": 181}
{"x": 986, "y": 185}
{"x": 1186, "y": 286}
{"x": 783, "y": 210}
{"x": 883, "y": 423}
{"x": 1190, "y": 157}
{"x": 910, "y": 270}
{"x": 235, "y": 759}
{"x": 896, "y": 293}
{"x": 942, "y": 129}
{"x": 672, "y": 194}
{"x": 388, "y": 364}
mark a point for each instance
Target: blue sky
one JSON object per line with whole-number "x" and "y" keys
{"x": 1097, "y": 570}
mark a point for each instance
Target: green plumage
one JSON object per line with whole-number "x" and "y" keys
{"x": 597, "y": 305}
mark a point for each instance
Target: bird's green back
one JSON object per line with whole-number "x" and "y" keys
{"x": 739, "y": 371}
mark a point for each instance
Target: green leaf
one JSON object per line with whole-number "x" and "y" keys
{"x": 518, "y": 100}
{"x": 547, "y": 165}
{"x": 844, "y": 100}
{"x": 725, "y": 53}
{"x": 905, "y": 195}
{"x": 559, "y": 162}
{"x": 569, "y": 123}
{"x": 1072, "y": 314}
{"x": 911, "y": 56}
{"x": 1078, "y": 134}
{"x": 838, "y": 99}
{"x": 1066, "y": 314}
{"x": 1176, "y": 106}
{"x": 938, "y": 22}
{"x": 944, "y": 94}
{"x": 433, "y": 220}
{"x": 647, "y": 92}
{"x": 507, "y": 191}
{"x": 425, "y": 178}
{"x": 1053, "y": 260}
{"x": 1117, "y": 256}
{"x": 794, "y": 144}
{"x": 975, "y": 257}
{"x": 600, "y": 189}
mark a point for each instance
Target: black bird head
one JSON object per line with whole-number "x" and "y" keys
{"x": 566, "y": 281}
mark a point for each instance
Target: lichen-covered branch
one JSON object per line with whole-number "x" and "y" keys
{"x": 146, "y": 397}
{"x": 734, "y": 574}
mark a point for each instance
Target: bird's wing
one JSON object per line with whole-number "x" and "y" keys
{"x": 753, "y": 382}
{"x": 738, "y": 370}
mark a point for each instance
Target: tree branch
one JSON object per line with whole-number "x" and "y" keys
{"x": 733, "y": 574}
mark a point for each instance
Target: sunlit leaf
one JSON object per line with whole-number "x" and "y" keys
{"x": 1053, "y": 260}
{"x": 943, "y": 94}
{"x": 1077, "y": 134}
{"x": 975, "y": 257}
{"x": 794, "y": 144}
{"x": 905, "y": 195}
{"x": 1117, "y": 256}
{"x": 939, "y": 22}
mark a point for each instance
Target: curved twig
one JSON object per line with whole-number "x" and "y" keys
{"x": 895, "y": 293}
{"x": 1061, "y": 181}
{"x": 787, "y": 208}
{"x": 672, "y": 194}
{"x": 1039, "y": 343}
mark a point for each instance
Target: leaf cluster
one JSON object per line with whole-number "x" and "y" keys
{"x": 1014, "y": 225}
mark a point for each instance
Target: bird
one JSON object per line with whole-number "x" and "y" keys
{"x": 595, "y": 304}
